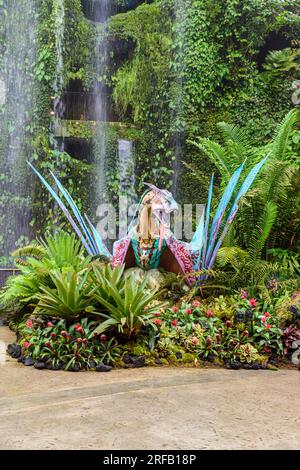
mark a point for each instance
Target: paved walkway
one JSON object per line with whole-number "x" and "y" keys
{"x": 150, "y": 408}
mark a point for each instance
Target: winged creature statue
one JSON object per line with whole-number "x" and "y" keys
{"x": 149, "y": 243}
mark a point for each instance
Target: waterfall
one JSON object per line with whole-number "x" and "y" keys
{"x": 101, "y": 11}
{"x": 59, "y": 13}
{"x": 16, "y": 116}
{"x": 126, "y": 169}
{"x": 180, "y": 12}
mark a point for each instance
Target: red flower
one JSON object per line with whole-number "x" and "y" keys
{"x": 63, "y": 333}
{"x": 196, "y": 303}
{"x": 228, "y": 324}
{"x": 48, "y": 344}
{"x": 267, "y": 349}
{"x": 268, "y": 327}
{"x": 53, "y": 335}
{"x": 103, "y": 338}
{"x": 209, "y": 313}
{"x": 26, "y": 344}
{"x": 246, "y": 333}
{"x": 220, "y": 330}
{"x": 85, "y": 340}
{"x": 231, "y": 343}
{"x": 49, "y": 324}
{"x": 156, "y": 314}
{"x": 175, "y": 309}
{"x": 253, "y": 303}
{"x": 195, "y": 340}
{"x": 174, "y": 322}
{"x": 188, "y": 311}
{"x": 208, "y": 341}
{"x": 263, "y": 319}
{"x": 79, "y": 340}
{"x": 218, "y": 337}
{"x": 157, "y": 321}
{"x": 78, "y": 328}
{"x": 29, "y": 323}
{"x": 266, "y": 314}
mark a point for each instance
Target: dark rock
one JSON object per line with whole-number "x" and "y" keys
{"x": 158, "y": 361}
{"x": 21, "y": 359}
{"x": 48, "y": 365}
{"x": 92, "y": 364}
{"x": 10, "y": 348}
{"x": 103, "y": 368}
{"x": 28, "y": 361}
{"x": 127, "y": 359}
{"x": 127, "y": 366}
{"x": 2, "y": 322}
{"x": 234, "y": 365}
{"x": 211, "y": 357}
{"x": 255, "y": 366}
{"x": 138, "y": 361}
{"x": 39, "y": 365}
{"x": 14, "y": 350}
{"x": 247, "y": 366}
{"x": 178, "y": 355}
{"x": 75, "y": 368}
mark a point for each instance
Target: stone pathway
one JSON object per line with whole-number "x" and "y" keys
{"x": 149, "y": 408}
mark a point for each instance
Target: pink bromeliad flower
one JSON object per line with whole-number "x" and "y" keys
{"x": 253, "y": 303}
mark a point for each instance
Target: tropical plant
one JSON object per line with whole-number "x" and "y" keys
{"x": 62, "y": 346}
{"x": 274, "y": 198}
{"x": 36, "y": 262}
{"x": 128, "y": 307}
{"x": 70, "y": 299}
{"x": 289, "y": 260}
{"x": 281, "y": 62}
{"x": 291, "y": 334}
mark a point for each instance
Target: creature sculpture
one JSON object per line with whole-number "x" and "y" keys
{"x": 150, "y": 243}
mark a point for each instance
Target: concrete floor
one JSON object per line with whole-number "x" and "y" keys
{"x": 150, "y": 408}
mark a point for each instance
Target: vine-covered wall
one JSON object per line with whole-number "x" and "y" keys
{"x": 175, "y": 69}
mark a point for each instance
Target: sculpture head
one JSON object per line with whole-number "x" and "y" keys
{"x": 155, "y": 209}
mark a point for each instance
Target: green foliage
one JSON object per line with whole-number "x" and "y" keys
{"x": 65, "y": 346}
{"x": 69, "y": 299}
{"x": 59, "y": 253}
{"x": 282, "y": 62}
{"x": 128, "y": 306}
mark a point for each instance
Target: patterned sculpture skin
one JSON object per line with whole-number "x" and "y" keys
{"x": 150, "y": 243}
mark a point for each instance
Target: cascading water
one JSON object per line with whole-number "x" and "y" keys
{"x": 58, "y": 85}
{"x": 16, "y": 118}
{"x": 126, "y": 170}
{"x": 178, "y": 107}
{"x": 101, "y": 11}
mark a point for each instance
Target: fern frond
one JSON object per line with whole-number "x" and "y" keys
{"x": 283, "y": 134}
